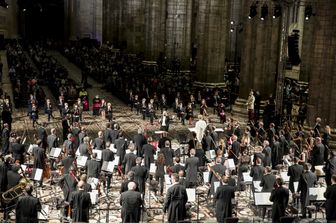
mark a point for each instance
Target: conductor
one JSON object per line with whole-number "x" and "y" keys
{"x": 80, "y": 203}
{"x": 27, "y": 207}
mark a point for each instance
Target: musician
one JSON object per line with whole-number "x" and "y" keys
{"x": 52, "y": 139}
{"x": 48, "y": 109}
{"x": 80, "y": 203}
{"x": 27, "y": 207}
{"x": 279, "y": 197}
{"x": 3, "y": 177}
{"x": 177, "y": 166}
{"x": 192, "y": 144}
{"x": 317, "y": 127}
{"x": 5, "y": 139}
{"x": 164, "y": 121}
{"x": 268, "y": 180}
{"x": 140, "y": 174}
{"x": 223, "y": 198}
{"x": 151, "y": 111}
{"x": 99, "y": 142}
{"x": 294, "y": 172}
{"x": 250, "y": 106}
{"x": 18, "y": 150}
{"x": 277, "y": 152}
{"x": 131, "y": 202}
{"x": 308, "y": 179}
{"x": 200, "y": 127}
{"x": 115, "y": 132}
{"x": 121, "y": 145}
{"x": 85, "y": 148}
{"x": 39, "y": 157}
{"x": 139, "y": 141}
{"x": 235, "y": 150}
{"x": 129, "y": 159}
{"x": 330, "y": 204}
{"x": 267, "y": 151}
{"x": 163, "y": 139}
{"x": 75, "y": 130}
{"x": 283, "y": 143}
{"x": 13, "y": 177}
{"x": 216, "y": 172}
{"x": 76, "y": 113}
{"x": 191, "y": 168}
{"x": 42, "y": 134}
{"x": 67, "y": 162}
{"x": 330, "y": 168}
{"x": 318, "y": 153}
{"x": 34, "y": 114}
{"x": 143, "y": 108}
{"x": 257, "y": 171}
{"x": 130, "y": 178}
{"x": 68, "y": 184}
{"x": 203, "y": 108}
{"x": 148, "y": 152}
{"x": 163, "y": 103}
{"x": 82, "y": 134}
{"x": 87, "y": 187}
{"x": 93, "y": 167}
{"x": 68, "y": 145}
{"x": 65, "y": 126}
{"x": 175, "y": 201}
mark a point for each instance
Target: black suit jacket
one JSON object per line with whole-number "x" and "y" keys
{"x": 294, "y": 172}
{"x": 131, "y": 203}
{"x": 330, "y": 169}
{"x": 177, "y": 167}
{"x": 139, "y": 141}
{"x": 13, "y": 178}
{"x": 93, "y": 168}
{"x": 308, "y": 179}
{"x": 330, "y": 195}
{"x": 279, "y": 197}
{"x": 267, "y": 182}
{"x": 257, "y": 172}
{"x": 27, "y": 209}
{"x": 318, "y": 154}
{"x": 107, "y": 155}
{"x": 18, "y": 151}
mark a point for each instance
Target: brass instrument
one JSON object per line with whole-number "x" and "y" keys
{"x": 217, "y": 175}
{"x": 16, "y": 191}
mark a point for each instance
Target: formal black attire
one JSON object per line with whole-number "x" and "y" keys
{"x": 277, "y": 154}
{"x": 52, "y": 141}
{"x": 168, "y": 154}
{"x": 80, "y": 203}
{"x": 131, "y": 203}
{"x": 140, "y": 176}
{"x": 318, "y": 155}
{"x": 93, "y": 168}
{"x": 99, "y": 143}
{"x": 107, "y": 156}
{"x": 18, "y": 151}
{"x": 307, "y": 180}
{"x": 124, "y": 186}
{"x": 235, "y": 148}
{"x": 139, "y": 141}
{"x": 42, "y": 135}
{"x": 175, "y": 202}
{"x": 223, "y": 198}
{"x": 129, "y": 161}
{"x": 267, "y": 151}
{"x": 39, "y": 157}
{"x": 176, "y": 168}
{"x": 191, "y": 167}
{"x": 267, "y": 182}
{"x": 330, "y": 204}
{"x": 67, "y": 163}
{"x": 27, "y": 209}
{"x": 294, "y": 172}
{"x": 83, "y": 150}
{"x": 13, "y": 178}
{"x": 219, "y": 169}
{"x": 120, "y": 145}
{"x": 330, "y": 169}
{"x": 68, "y": 184}
{"x": 257, "y": 172}
{"x": 5, "y": 140}
{"x": 148, "y": 152}
{"x": 3, "y": 177}
{"x": 279, "y": 197}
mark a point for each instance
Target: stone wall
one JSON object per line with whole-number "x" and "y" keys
{"x": 8, "y": 20}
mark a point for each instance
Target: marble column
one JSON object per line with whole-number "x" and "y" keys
{"x": 322, "y": 84}
{"x": 212, "y": 39}
{"x": 178, "y": 31}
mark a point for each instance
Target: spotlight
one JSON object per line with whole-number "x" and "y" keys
{"x": 4, "y": 4}
{"x": 308, "y": 12}
{"x": 277, "y": 12}
{"x": 232, "y": 22}
{"x": 23, "y": 10}
{"x": 264, "y": 12}
{"x": 253, "y": 11}
{"x": 231, "y": 30}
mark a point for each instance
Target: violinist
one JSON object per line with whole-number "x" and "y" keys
{"x": 68, "y": 184}
{"x": 39, "y": 157}
{"x": 84, "y": 148}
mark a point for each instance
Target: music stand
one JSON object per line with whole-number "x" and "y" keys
{"x": 55, "y": 152}
{"x": 81, "y": 161}
{"x": 31, "y": 147}
{"x": 256, "y": 186}
{"x": 36, "y": 176}
{"x": 99, "y": 154}
{"x": 262, "y": 199}
{"x": 108, "y": 166}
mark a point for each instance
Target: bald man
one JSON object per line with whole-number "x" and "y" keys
{"x": 131, "y": 203}
{"x": 80, "y": 203}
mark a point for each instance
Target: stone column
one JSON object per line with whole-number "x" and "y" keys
{"x": 213, "y": 30}
{"x": 155, "y": 28}
{"x": 178, "y": 31}
{"x": 9, "y": 20}
{"x": 322, "y": 84}
{"x": 112, "y": 12}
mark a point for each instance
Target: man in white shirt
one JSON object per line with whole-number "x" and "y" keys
{"x": 200, "y": 128}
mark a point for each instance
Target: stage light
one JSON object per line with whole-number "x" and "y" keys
{"x": 253, "y": 11}
{"x": 232, "y": 22}
{"x": 264, "y": 12}
{"x": 4, "y": 4}
{"x": 277, "y": 12}
{"x": 308, "y": 12}
{"x": 23, "y": 10}
{"x": 232, "y": 30}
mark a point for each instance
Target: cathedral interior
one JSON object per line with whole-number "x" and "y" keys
{"x": 283, "y": 49}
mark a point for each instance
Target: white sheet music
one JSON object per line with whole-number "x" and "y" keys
{"x": 219, "y": 130}
{"x": 112, "y": 148}
{"x": 94, "y": 182}
{"x": 43, "y": 214}
{"x": 31, "y": 147}
{"x": 210, "y": 154}
{"x": 284, "y": 176}
{"x": 206, "y": 177}
{"x": 155, "y": 157}
{"x": 98, "y": 152}
{"x": 262, "y": 199}
{"x": 191, "y": 192}
{"x": 159, "y": 132}
{"x": 296, "y": 185}
{"x": 231, "y": 165}
{"x": 81, "y": 161}
{"x": 116, "y": 160}
{"x": 167, "y": 179}
{"x": 94, "y": 196}
{"x": 110, "y": 167}
{"x": 247, "y": 178}
{"x": 317, "y": 193}
{"x": 55, "y": 152}
{"x": 216, "y": 185}
{"x": 152, "y": 168}
{"x": 77, "y": 152}
{"x": 38, "y": 174}
{"x": 257, "y": 187}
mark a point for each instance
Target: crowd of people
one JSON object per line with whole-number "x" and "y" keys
{"x": 263, "y": 149}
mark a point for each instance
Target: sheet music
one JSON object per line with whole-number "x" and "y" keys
{"x": 129, "y": 151}
{"x": 155, "y": 157}
{"x": 38, "y": 174}
{"x": 231, "y": 165}
{"x": 116, "y": 160}
{"x": 31, "y": 147}
{"x": 192, "y": 129}
{"x": 247, "y": 178}
{"x": 110, "y": 167}
{"x": 216, "y": 185}
{"x": 94, "y": 196}
{"x": 219, "y": 130}
{"x": 284, "y": 176}
{"x": 77, "y": 152}
{"x": 257, "y": 187}
{"x": 159, "y": 132}
{"x": 167, "y": 179}
{"x": 262, "y": 199}
{"x": 43, "y": 214}
{"x": 317, "y": 193}
{"x": 81, "y": 161}
{"x": 210, "y": 154}
{"x": 191, "y": 192}
{"x": 94, "y": 182}
{"x": 152, "y": 168}
{"x": 296, "y": 185}
{"x": 112, "y": 148}
{"x": 206, "y": 177}
{"x": 55, "y": 152}
{"x": 98, "y": 152}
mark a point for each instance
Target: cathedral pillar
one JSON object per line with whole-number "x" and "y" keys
{"x": 212, "y": 37}
{"x": 9, "y": 20}
{"x": 178, "y": 31}
{"x": 322, "y": 84}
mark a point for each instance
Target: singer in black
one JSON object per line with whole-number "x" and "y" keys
{"x": 223, "y": 197}
{"x": 27, "y": 207}
{"x": 175, "y": 201}
{"x": 279, "y": 197}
